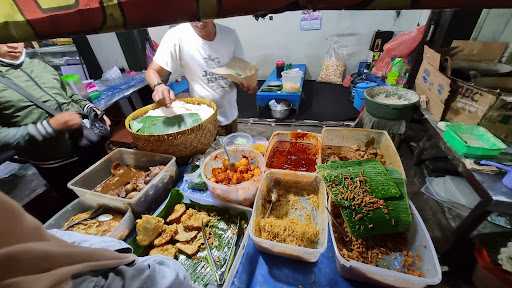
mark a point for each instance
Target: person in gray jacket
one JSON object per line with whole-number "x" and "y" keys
{"x": 49, "y": 142}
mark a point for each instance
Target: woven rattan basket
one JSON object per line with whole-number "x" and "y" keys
{"x": 182, "y": 144}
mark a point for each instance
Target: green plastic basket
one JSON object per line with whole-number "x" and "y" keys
{"x": 473, "y": 141}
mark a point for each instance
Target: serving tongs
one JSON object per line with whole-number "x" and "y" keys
{"x": 95, "y": 213}
{"x": 220, "y": 273}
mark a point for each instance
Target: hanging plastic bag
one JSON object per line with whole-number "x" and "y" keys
{"x": 401, "y": 46}
{"x": 334, "y": 66}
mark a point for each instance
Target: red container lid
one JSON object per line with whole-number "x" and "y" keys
{"x": 279, "y": 63}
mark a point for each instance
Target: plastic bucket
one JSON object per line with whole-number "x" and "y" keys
{"x": 358, "y": 93}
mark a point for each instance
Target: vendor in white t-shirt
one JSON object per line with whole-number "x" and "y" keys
{"x": 193, "y": 50}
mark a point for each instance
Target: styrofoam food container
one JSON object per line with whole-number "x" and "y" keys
{"x": 311, "y": 138}
{"x": 147, "y": 200}
{"x": 358, "y": 136}
{"x": 78, "y": 206}
{"x": 286, "y": 250}
{"x": 242, "y": 193}
{"x": 419, "y": 242}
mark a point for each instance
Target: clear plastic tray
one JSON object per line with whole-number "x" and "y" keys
{"x": 78, "y": 206}
{"x": 242, "y": 193}
{"x": 148, "y": 199}
{"x": 291, "y": 251}
{"x": 419, "y": 242}
{"x": 308, "y": 137}
{"x": 336, "y": 137}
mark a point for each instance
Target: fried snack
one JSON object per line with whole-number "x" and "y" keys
{"x": 242, "y": 171}
{"x": 168, "y": 233}
{"x": 183, "y": 235}
{"x": 194, "y": 220}
{"x": 148, "y": 228}
{"x": 191, "y": 248}
{"x": 94, "y": 226}
{"x": 179, "y": 209}
{"x": 167, "y": 250}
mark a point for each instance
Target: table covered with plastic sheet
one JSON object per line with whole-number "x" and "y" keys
{"x": 258, "y": 269}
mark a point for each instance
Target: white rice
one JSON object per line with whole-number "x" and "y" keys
{"x": 180, "y": 107}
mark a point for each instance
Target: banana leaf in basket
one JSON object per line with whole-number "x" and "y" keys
{"x": 161, "y": 125}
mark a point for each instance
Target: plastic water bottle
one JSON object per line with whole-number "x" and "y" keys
{"x": 397, "y": 68}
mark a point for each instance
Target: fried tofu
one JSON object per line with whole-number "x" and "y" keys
{"x": 169, "y": 231}
{"x": 148, "y": 229}
{"x": 179, "y": 209}
{"x": 190, "y": 248}
{"x": 167, "y": 250}
{"x": 194, "y": 220}
{"x": 183, "y": 235}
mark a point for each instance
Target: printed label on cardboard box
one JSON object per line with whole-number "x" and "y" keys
{"x": 470, "y": 104}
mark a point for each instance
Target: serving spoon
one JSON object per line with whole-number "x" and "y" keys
{"x": 231, "y": 163}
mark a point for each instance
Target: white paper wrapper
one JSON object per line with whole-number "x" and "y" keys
{"x": 239, "y": 71}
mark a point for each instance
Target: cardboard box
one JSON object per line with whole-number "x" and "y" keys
{"x": 498, "y": 119}
{"x": 479, "y": 51}
{"x": 450, "y": 98}
{"x": 433, "y": 84}
{"x": 470, "y": 102}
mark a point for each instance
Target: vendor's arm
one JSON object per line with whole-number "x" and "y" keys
{"x": 17, "y": 137}
{"x": 167, "y": 60}
{"x": 157, "y": 76}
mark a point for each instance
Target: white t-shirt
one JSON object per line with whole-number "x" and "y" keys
{"x": 183, "y": 52}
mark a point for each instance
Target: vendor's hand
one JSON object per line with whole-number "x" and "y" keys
{"x": 66, "y": 121}
{"x": 163, "y": 95}
{"x": 249, "y": 88}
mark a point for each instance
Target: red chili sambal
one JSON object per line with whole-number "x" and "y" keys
{"x": 296, "y": 156}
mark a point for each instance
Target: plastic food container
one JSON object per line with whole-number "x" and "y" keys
{"x": 293, "y": 136}
{"x": 238, "y": 139}
{"x": 292, "y": 80}
{"x": 473, "y": 141}
{"x": 148, "y": 199}
{"x": 74, "y": 83}
{"x": 339, "y": 137}
{"x": 78, "y": 206}
{"x": 301, "y": 179}
{"x": 242, "y": 193}
{"x": 419, "y": 243}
